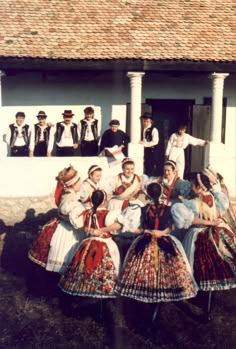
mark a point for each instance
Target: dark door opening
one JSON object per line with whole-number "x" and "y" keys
{"x": 167, "y": 114}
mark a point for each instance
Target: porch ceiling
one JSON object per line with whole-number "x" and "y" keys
{"x": 10, "y": 63}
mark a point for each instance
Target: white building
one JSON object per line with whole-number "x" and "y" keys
{"x": 171, "y": 59}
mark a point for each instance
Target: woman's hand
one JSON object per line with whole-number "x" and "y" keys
{"x": 216, "y": 222}
{"x": 137, "y": 231}
{"x": 95, "y": 232}
{"x": 159, "y": 233}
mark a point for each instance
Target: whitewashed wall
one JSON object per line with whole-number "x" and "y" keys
{"x": 21, "y": 177}
{"x": 108, "y": 93}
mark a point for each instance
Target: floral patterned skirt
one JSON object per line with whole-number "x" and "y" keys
{"x": 39, "y": 250}
{"x": 156, "y": 275}
{"x": 214, "y": 262}
{"x": 93, "y": 270}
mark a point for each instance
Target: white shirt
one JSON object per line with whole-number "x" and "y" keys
{"x": 41, "y": 138}
{"x": 155, "y": 137}
{"x": 182, "y": 141}
{"x": 66, "y": 138}
{"x": 89, "y": 134}
{"x": 19, "y": 139}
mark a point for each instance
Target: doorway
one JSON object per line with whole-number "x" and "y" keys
{"x": 167, "y": 114}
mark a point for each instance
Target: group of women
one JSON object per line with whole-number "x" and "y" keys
{"x": 158, "y": 267}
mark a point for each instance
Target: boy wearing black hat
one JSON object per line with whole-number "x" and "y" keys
{"x": 89, "y": 132}
{"x": 114, "y": 136}
{"x": 150, "y": 140}
{"x": 66, "y": 135}
{"x": 41, "y": 140}
{"x": 18, "y": 136}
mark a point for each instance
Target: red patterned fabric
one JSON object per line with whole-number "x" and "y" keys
{"x": 212, "y": 268}
{"x": 125, "y": 205}
{"x": 208, "y": 199}
{"x": 100, "y": 215}
{"x": 124, "y": 185}
{"x": 167, "y": 190}
{"x": 59, "y": 191}
{"x": 39, "y": 250}
{"x": 155, "y": 275}
{"x": 91, "y": 272}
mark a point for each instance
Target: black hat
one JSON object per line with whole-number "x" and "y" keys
{"x": 114, "y": 122}
{"x": 146, "y": 116}
{"x": 20, "y": 114}
{"x": 41, "y": 114}
{"x": 68, "y": 113}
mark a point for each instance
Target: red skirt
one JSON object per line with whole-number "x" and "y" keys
{"x": 91, "y": 272}
{"x": 215, "y": 259}
{"x": 39, "y": 250}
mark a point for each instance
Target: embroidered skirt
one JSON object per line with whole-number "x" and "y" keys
{"x": 212, "y": 254}
{"x": 56, "y": 245}
{"x": 93, "y": 270}
{"x": 156, "y": 275}
{"x": 39, "y": 250}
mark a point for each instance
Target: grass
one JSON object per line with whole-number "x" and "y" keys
{"x": 35, "y": 314}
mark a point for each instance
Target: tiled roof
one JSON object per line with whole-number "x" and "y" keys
{"x": 202, "y": 30}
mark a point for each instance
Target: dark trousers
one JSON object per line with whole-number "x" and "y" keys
{"x": 20, "y": 151}
{"x": 150, "y": 161}
{"x": 89, "y": 148}
{"x": 40, "y": 149}
{"x": 65, "y": 151}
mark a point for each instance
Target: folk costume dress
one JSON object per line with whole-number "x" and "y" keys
{"x": 87, "y": 188}
{"x": 58, "y": 240}
{"x": 93, "y": 270}
{"x": 156, "y": 269}
{"x": 211, "y": 250}
{"x": 175, "y": 149}
{"x": 125, "y": 190}
{"x": 218, "y": 185}
{"x": 170, "y": 189}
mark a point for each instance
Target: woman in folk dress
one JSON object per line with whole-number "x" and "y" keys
{"x": 58, "y": 240}
{"x": 156, "y": 268}
{"x": 210, "y": 244}
{"x": 94, "y": 268}
{"x": 93, "y": 182}
{"x": 170, "y": 182}
{"x": 126, "y": 188}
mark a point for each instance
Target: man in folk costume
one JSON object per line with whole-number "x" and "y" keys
{"x": 89, "y": 132}
{"x": 18, "y": 136}
{"x": 179, "y": 141}
{"x": 66, "y": 135}
{"x": 150, "y": 140}
{"x": 41, "y": 141}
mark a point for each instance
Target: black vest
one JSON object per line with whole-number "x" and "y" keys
{"x": 94, "y": 128}
{"x": 14, "y": 134}
{"x": 60, "y": 129}
{"x": 148, "y": 134}
{"x": 37, "y": 132}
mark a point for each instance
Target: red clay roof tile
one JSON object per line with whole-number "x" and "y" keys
{"x": 119, "y": 29}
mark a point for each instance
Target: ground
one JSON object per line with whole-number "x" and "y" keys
{"x": 35, "y": 314}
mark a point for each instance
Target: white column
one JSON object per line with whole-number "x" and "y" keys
{"x": 1, "y": 75}
{"x": 217, "y": 102}
{"x": 136, "y": 104}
